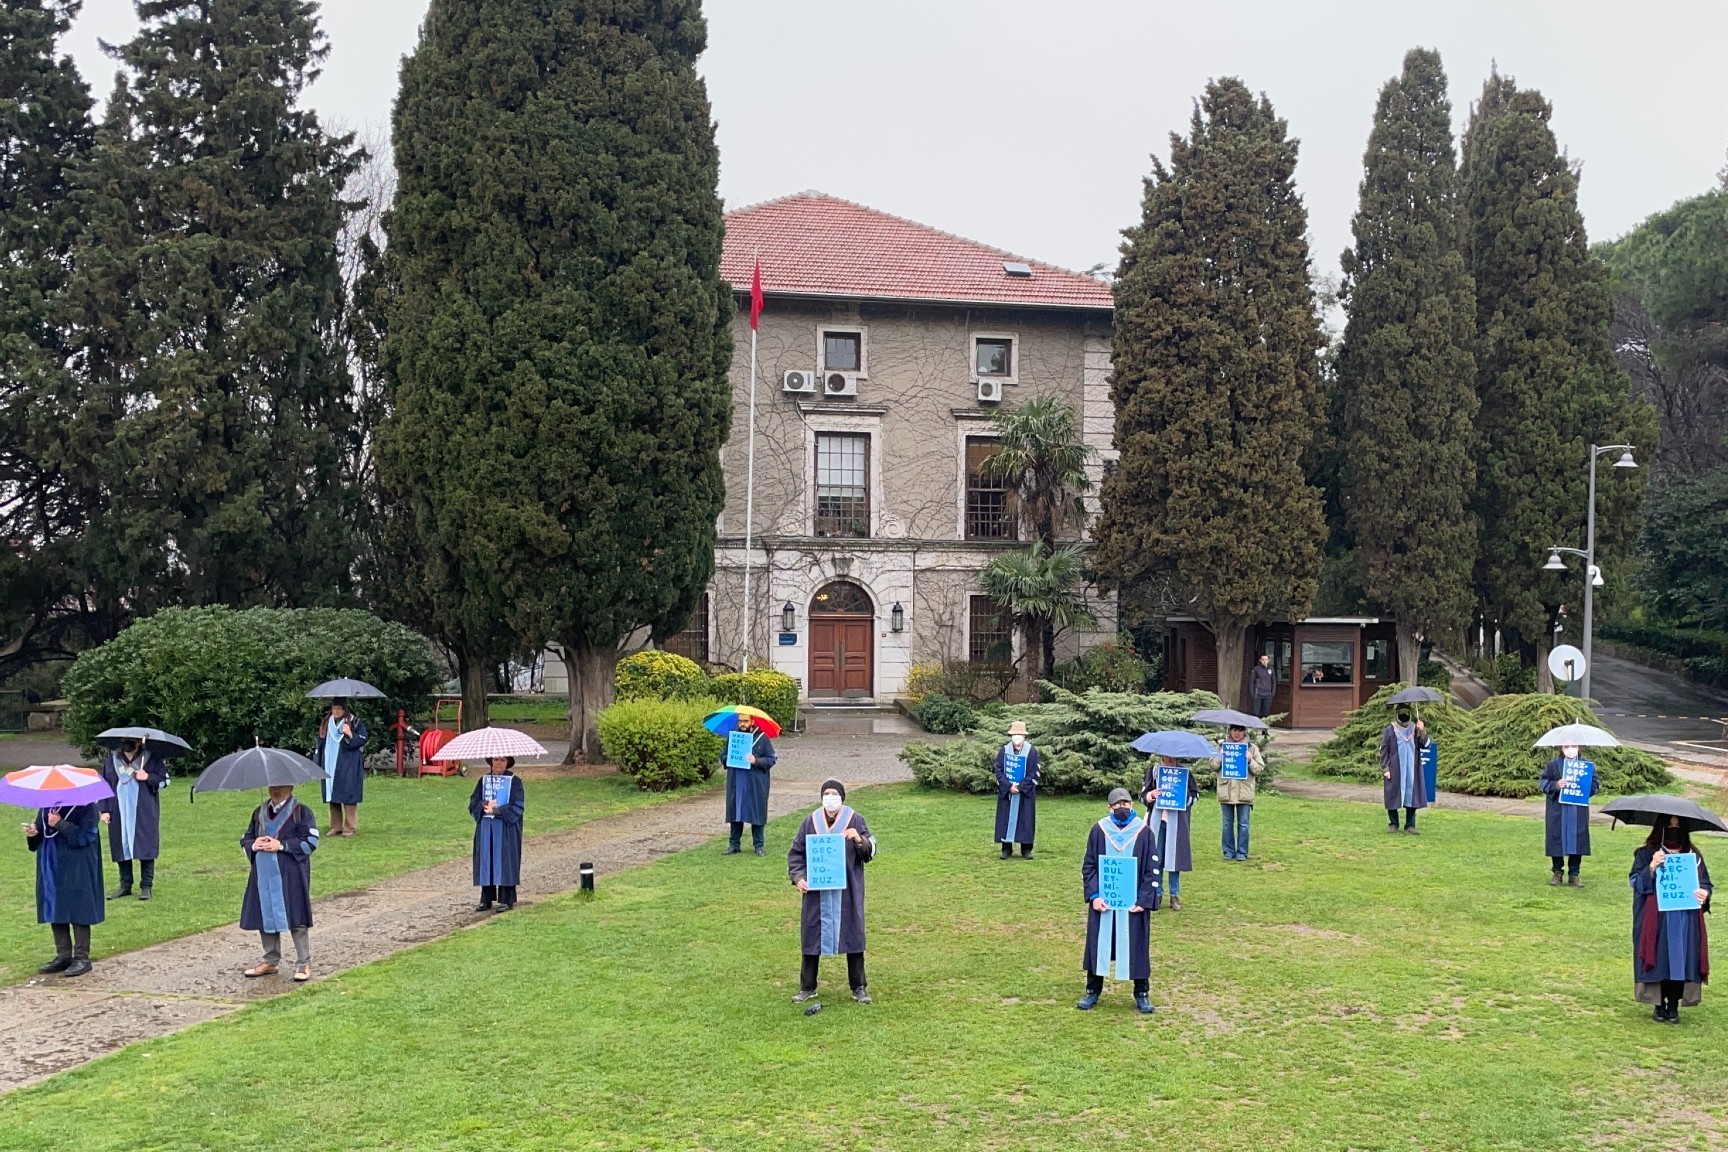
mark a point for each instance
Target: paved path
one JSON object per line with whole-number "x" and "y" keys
{"x": 1640, "y": 704}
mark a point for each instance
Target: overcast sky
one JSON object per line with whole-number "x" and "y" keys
{"x": 1028, "y": 125}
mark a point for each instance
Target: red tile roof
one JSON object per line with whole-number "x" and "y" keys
{"x": 811, "y": 244}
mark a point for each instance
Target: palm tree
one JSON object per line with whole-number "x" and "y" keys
{"x": 1043, "y": 458}
{"x": 1039, "y": 590}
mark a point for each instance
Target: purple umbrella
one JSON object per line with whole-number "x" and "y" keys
{"x": 53, "y": 786}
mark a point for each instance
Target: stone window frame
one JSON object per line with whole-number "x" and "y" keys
{"x": 816, "y": 423}
{"x": 858, "y": 330}
{"x": 1013, "y": 338}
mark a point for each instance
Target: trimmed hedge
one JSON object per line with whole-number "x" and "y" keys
{"x": 222, "y": 679}
{"x": 1082, "y": 741}
{"x": 773, "y": 692}
{"x": 1353, "y": 753}
{"x": 946, "y": 716}
{"x": 1702, "y": 654}
{"x": 661, "y": 744}
{"x": 655, "y": 675}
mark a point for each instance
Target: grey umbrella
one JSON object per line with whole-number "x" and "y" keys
{"x": 345, "y": 689}
{"x": 1655, "y": 809}
{"x": 1228, "y": 718}
{"x": 165, "y": 744}
{"x": 257, "y": 768}
{"x": 1416, "y": 695}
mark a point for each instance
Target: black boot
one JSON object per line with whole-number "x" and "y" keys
{"x": 146, "y": 878}
{"x": 1025, "y": 851}
{"x": 1007, "y": 851}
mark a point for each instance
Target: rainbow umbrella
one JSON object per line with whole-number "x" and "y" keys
{"x": 53, "y": 786}
{"x": 725, "y": 720}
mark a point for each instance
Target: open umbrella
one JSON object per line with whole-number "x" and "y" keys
{"x": 1655, "y": 809}
{"x": 1228, "y": 718}
{"x": 345, "y": 689}
{"x": 485, "y": 743}
{"x": 724, "y": 720}
{"x": 1584, "y": 735}
{"x": 257, "y": 768}
{"x": 1176, "y": 744}
{"x": 53, "y": 786}
{"x": 164, "y": 744}
{"x": 1417, "y": 695}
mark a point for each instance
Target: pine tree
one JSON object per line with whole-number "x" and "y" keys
{"x": 1216, "y": 380}
{"x": 45, "y": 133}
{"x": 1405, "y": 368}
{"x": 1546, "y": 373}
{"x": 210, "y": 292}
{"x": 560, "y": 346}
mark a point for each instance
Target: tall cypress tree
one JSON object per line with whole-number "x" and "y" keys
{"x": 45, "y": 133}
{"x": 1216, "y": 379}
{"x": 560, "y": 345}
{"x": 1546, "y": 373}
{"x": 1405, "y": 368}
{"x": 210, "y": 291}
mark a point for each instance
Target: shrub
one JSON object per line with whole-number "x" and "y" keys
{"x": 661, "y": 744}
{"x": 1508, "y": 676}
{"x": 924, "y": 679}
{"x": 655, "y": 675}
{"x": 1494, "y": 753}
{"x": 1433, "y": 674}
{"x": 773, "y": 692}
{"x": 1353, "y": 753}
{"x": 977, "y": 684}
{"x": 1082, "y": 741}
{"x": 946, "y": 716}
{"x": 1110, "y": 667}
{"x": 222, "y": 679}
{"x": 1698, "y": 653}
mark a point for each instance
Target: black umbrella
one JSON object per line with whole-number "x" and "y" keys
{"x": 165, "y": 744}
{"x": 257, "y": 768}
{"x": 345, "y": 689}
{"x": 1416, "y": 696}
{"x": 1655, "y": 809}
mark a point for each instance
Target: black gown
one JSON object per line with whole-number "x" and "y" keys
{"x": 1139, "y": 923}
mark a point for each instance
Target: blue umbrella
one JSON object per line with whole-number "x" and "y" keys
{"x": 345, "y": 689}
{"x": 1177, "y": 745}
{"x": 1228, "y": 718}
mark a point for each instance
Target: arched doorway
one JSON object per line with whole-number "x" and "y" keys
{"x": 842, "y": 643}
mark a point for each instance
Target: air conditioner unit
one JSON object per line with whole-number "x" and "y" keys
{"x": 989, "y": 391}
{"x": 840, "y": 384}
{"x": 799, "y": 381}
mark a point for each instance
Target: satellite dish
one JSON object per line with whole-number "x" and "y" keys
{"x": 1566, "y": 662}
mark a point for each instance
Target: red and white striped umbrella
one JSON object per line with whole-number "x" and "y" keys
{"x": 485, "y": 743}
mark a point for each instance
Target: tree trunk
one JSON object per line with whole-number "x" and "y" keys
{"x": 472, "y": 668}
{"x": 1031, "y": 649}
{"x": 1231, "y": 641}
{"x": 1047, "y": 641}
{"x": 1409, "y": 652}
{"x": 591, "y": 670}
{"x": 1544, "y": 678}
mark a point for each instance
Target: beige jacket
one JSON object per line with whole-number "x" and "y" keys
{"x": 1240, "y": 791}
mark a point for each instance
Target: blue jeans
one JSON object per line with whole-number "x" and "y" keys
{"x": 1236, "y": 830}
{"x": 1172, "y": 883}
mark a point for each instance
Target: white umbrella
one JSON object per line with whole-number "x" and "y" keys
{"x": 486, "y": 743}
{"x": 1583, "y": 735}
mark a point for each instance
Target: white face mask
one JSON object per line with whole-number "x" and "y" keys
{"x": 1569, "y": 751}
{"x": 1019, "y": 740}
{"x": 830, "y": 803}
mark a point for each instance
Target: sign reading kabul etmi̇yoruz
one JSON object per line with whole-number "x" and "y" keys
{"x": 825, "y": 861}
{"x": 1234, "y": 765}
{"x": 1577, "y": 781}
{"x": 1677, "y": 883}
{"x": 739, "y": 745}
{"x": 1172, "y": 788}
{"x": 1119, "y": 881}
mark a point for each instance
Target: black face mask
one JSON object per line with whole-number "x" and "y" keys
{"x": 1403, "y": 717}
{"x": 1121, "y": 815}
{"x": 1672, "y": 839}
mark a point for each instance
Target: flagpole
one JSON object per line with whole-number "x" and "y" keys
{"x": 750, "y": 471}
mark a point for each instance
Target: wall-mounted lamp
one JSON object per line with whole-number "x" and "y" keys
{"x": 897, "y": 618}
{"x": 788, "y": 618}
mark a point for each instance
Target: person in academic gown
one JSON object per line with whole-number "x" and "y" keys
{"x": 134, "y": 813}
{"x": 1119, "y": 942}
{"x": 1171, "y": 829}
{"x": 832, "y": 921}
{"x": 1016, "y": 799}
{"x": 1670, "y": 950}
{"x": 1401, "y": 747}
{"x": 1568, "y": 836}
{"x": 747, "y": 790}
{"x": 497, "y": 833}
{"x": 341, "y": 740}
{"x": 279, "y": 842}
{"x": 68, "y": 846}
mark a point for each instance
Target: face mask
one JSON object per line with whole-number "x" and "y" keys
{"x": 1570, "y": 751}
{"x": 129, "y": 749}
{"x": 1403, "y": 717}
{"x": 1121, "y": 816}
{"x": 1671, "y": 838}
{"x": 831, "y": 803}
{"x": 1019, "y": 740}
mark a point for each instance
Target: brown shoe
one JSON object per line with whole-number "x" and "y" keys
{"x": 1554, "y": 880}
{"x": 1574, "y": 882}
{"x": 265, "y": 969}
{"x": 1175, "y": 903}
{"x": 302, "y": 973}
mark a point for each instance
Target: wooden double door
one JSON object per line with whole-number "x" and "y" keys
{"x": 842, "y": 656}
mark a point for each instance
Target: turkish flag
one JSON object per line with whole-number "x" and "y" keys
{"x": 755, "y": 294}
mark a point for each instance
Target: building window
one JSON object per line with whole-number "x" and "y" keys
{"x": 1377, "y": 660}
{"x": 1330, "y": 662}
{"x": 991, "y": 512}
{"x": 989, "y": 634}
{"x": 1277, "y": 647}
{"x": 842, "y": 351}
{"x": 994, "y": 356}
{"x": 693, "y": 641}
{"x": 842, "y": 484}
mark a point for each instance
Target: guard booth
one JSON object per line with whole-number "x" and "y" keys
{"x": 1322, "y": 666}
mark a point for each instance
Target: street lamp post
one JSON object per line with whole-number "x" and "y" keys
{"x": 1592, "y": 574}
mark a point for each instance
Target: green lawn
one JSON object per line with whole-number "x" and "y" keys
{"x": 405, "y": 824}
{"x": 549, "y": 710}
{"x": 1345, "y": 990}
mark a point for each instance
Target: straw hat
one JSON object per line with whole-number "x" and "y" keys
{"x": 1018, "y": 728}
